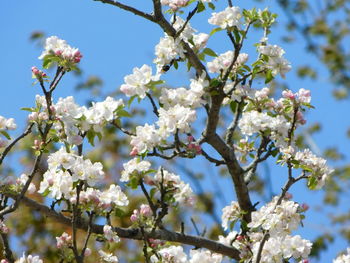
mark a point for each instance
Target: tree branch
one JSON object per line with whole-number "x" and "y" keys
{"x": 132, "y": 233}
{"x": 128, "y": 8}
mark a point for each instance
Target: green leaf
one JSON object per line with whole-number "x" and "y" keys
{"x": 119, "y": 212}
{"x": 176, "y": 65}
{"x": 200, "y": 7}
{"x": 268, "y": 76}
{"x": 45, "y": 193}
{"x": 214, "y": 83}
{"x": 91, "y": 135}
{"x": 131, "y": 100}
{"x": 134, "y": 182}
{"x": 312, "y": 183}
{"x": 6, "y": 135}
{"x": 306, "y": 168}
{"x": 156, "y": 82}
{"x": 233, "y": 106}
{"x": 215, "y": 30}
{"x": 209, "y": 52}
{"x": 153, "y": 192}
{"x": 211, "y": 5}
{"x": 123, "y": 113}
{"x": 237, "y": 35}
{"x": 28, "y": 109}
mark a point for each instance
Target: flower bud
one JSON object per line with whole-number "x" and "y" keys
{"x": 288, "y": 94}
{"x": 305, "y": 207}
{"x": 134, "y": 152}
{"x": 134, "y": 216}
{"x": 145, "y": 210}
{"x": 87, "y": 252}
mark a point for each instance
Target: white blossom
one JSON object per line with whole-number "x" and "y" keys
{"x": 108, "y": 257}
{"x": 109, "y": 234}
{"x": 174, "y": 4}
{"x": 176, "y": 118}
{"x": 167, "y": 50}
{"x": 230, "y": 213}
{"x": 343, "y": 258}
{"x": 29, "y": 259}
{"x": 280, "y": 219}
{"x": 316, "y": 164}
{"x": 59, "y": 47}
{"x": 255, "y": 122}
{"x": 147, "y": 137}
{"x": 137, "y": 83}
{"x": 223, "y": 61}
{"x": 114, "y": 195}
{"x": 172, "y": 254}
{"x": 134, "y": 165}
{"x": 204, "y": 256}
{"x": 227, "y": 19}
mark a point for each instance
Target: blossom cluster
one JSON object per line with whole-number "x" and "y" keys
{"x": 163, "y": 179}
{"x": 227, "y": 19}
{"x": 343, "y": 258}
{"x": 5, "y": 125}
{"x": 314, "y": 165}
{"x": 64, "y": 169}
{"x": 223, "y": 62}
{"x": 230, "y": 213}
{"x": 175, "y": 254}
{"x": 138, "y": 82}
{"x": 278, "y": 219}
{"x": 59, "y": 48}
{"x": 72, "y": 119}
{"x": 170, "y": 49}
{"x": 29, "y": 259}
{"x": 275, "y": 60}
{"x": 176, "y": 114}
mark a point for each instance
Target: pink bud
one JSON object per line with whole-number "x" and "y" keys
{"x": 4, "y": 261}
{"x": 240, "y": 238}
{"x": 190, "y": 138}
{"x": 35, "y": 70}
{"x": 77, "y": 140}
{"x": 288, "y": 195}
{"x": 87, "y": 252}
{"x": 36, "y": 143}
{"x": 58, "y": 52}
{"x": 288, "y": 94}
{"x": 148, "y": 180}
{"x": 3, "y": 143}
{"x": 145, "y": 210}
{"x": 134, "y": 151}
{"x": 305, "y": 207}
{"x": 31, "y": 188}
{"x": 33, "y": 116}
{"x": 77, "y": 56}
{"x": 198, "y": 149}
{"x": 305, "y": 261}
{"x": 300, "y": 118}
{"x": 53, "y": 109}
{"x": 133, "y": 218}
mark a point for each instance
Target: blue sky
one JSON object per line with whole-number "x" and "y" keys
{"x": 113, "y": 42}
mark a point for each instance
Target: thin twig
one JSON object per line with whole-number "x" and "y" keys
{"x": 155, "y": 109}
{"x": 9, "y": 147}
{"x": 128, "y": 8}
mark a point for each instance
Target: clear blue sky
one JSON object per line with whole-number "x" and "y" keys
{"x": 113, "y": 42}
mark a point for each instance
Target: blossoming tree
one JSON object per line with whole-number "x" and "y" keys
{"x": 261, "y": 127}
